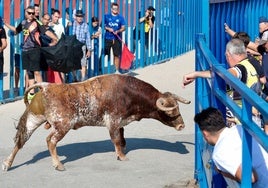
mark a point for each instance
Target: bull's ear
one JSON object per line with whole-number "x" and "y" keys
{"x": 161, "y": 104}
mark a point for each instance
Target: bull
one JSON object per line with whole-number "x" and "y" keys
{"x": 108, "y": 100}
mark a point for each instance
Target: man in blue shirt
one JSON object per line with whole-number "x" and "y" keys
{"x": 114, "y": 26}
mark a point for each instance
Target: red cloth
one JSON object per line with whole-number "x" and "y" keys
{"x": 53, "y": 76}
{"x": 126, "y": 58}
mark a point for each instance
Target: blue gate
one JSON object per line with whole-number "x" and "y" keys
{"x": 173, "y": 33}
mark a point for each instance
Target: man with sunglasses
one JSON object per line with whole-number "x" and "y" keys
{"x": 114, "y": 25}
{"x": 32, "y": 29}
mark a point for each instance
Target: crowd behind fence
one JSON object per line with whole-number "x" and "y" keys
{"x": 172, "y": 34}
{"x": 213, "y": 93}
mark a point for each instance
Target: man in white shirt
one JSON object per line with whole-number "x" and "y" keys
{"x": 55, "y": 25}
{"x": 58, "y": 29}
{"x": 227, "y": 152}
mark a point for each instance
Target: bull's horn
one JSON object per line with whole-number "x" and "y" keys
{"x": 160, "y": 105}
{"x": 180, "y": 99}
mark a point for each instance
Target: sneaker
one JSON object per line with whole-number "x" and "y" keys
{"x": 117, "y": 72}
{"x": 30, "y": 96}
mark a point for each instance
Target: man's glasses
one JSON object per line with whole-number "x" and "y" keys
{"x": 114, "y": 8}
{"x": 30, "y": 13}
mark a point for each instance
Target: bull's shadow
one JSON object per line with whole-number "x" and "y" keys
{"x": 80, "y": 150}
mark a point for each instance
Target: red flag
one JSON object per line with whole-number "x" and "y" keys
{"x": 126, "y": 58}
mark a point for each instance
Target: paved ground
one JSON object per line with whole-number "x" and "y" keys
{"x": 159, "y": 155}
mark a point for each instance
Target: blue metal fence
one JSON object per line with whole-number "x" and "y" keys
{"x": 173, "y": 33}
{"x": 213, "y": 93}
{"x": 240, "y": 15}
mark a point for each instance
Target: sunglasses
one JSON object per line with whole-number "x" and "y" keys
{"x": 30, "y": 13}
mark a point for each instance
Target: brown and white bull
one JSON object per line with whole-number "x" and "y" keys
{"x": 109, "y": 100}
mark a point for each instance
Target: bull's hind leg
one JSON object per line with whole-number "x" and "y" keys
{"x": 53, "y": 138}
{"x": 119, "y": 142}
{"x": 122, "y": 139}
{"x": 9, "y": 160}
{"x": 28, "y": 123}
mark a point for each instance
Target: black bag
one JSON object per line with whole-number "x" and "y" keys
{"x": 65, "y": 56}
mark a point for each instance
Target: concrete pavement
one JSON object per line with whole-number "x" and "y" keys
{"x": 159, "y": 155}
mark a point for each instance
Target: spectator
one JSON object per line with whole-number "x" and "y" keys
{"x": 263, "y": 34}
{"x": 81, "y": 30}
{"x": 3, "y": 45}
{"x": 263, "y": 49}
{"x": 68, "y": 22}
{"x": 55, "y": 25}
{"x": 36, "y": 11}
{"x": 114, "y": 25}
{"x": 31, "y": 46}
{"x": 240, "y": 67}
{"x": 227, "y": 152}
{"x": 148, "y": 20}
{"x": 96, "y": 34}
{"x": 56, "y": 77}
{"x": 45, "y": 41}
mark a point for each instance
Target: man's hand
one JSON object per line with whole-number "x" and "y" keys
{"x": 188, "y": 78}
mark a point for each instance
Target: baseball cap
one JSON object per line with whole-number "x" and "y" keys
{"x": 263, "y": 19}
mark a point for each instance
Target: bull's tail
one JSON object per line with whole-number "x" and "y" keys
{"x": 40, "y": 85}
{"x": 21, "y": 135}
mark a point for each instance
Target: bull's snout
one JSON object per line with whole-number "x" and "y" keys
{"x": 179, "y": 127}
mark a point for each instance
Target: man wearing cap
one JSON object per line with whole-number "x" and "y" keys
{"x": 81, "y": 30}
{"x": 114, "y": 25}
{"x": 148, "y": 20}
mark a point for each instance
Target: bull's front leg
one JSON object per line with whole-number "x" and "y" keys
{"x": 51, "y": 144}
{"x": 117, "y": 137}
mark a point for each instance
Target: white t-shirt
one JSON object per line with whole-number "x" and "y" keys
{"x": 264, "y": 35}
{"x": 227, "y": 155}
{"x": 58, "y": 29}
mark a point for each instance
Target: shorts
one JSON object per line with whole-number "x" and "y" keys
{"x": 116, "y": 45}
{"x": 31, "y": 59}
{"x": 1, "y": 64}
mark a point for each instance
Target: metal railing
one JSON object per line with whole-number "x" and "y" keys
{"x": 212, "y": 92}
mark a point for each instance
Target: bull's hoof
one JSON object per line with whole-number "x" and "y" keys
{"x": 122, "y": 158}
{"x": 60, "y": 168}
{"x": 47, "y": 126}
{"x": 5, "y": 166}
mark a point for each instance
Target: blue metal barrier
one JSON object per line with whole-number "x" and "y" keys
{"x": 173, "y": 33}
{"x": 240, "y": 16}
{"x": 212, "y": 92}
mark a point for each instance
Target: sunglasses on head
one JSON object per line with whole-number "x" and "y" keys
{"x": 30, "y": 13}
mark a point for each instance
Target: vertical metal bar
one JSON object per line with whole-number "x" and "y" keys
{"x": 1, "y": 74}
{"x": 246, "y": 148}
{"x": 200, "y": 173}
{"x": 11, "y": 52}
